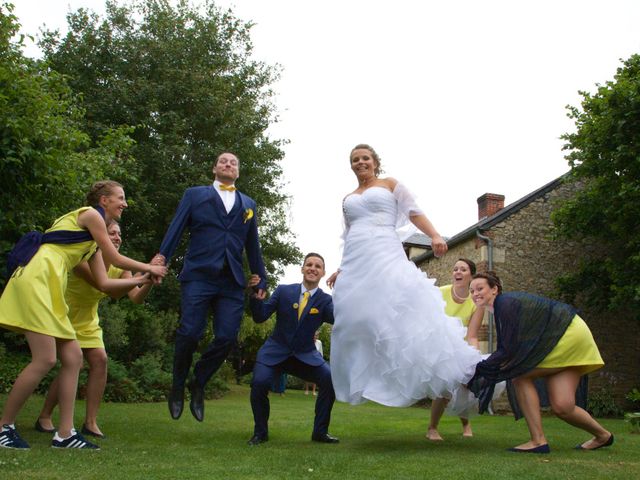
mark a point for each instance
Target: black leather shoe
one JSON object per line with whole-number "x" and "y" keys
{"x": 196, "y": 405}
{"x": 176, "y": 402}
{"x": 257, "y": 440}
{"x": 324, "y": 438}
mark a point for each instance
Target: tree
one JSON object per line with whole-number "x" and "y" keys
{"x": 183, "y": 77}
{"x": 604, "y": 153}
{"x": 47, "y": 161}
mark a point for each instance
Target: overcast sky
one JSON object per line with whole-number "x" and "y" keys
{"x": 459, "y": 98}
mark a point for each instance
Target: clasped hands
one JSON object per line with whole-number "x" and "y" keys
{"x": 158, "y": 269}
{"x": 259, "y": 293}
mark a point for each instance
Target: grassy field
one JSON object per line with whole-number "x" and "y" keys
{"x": 375, "y": 443}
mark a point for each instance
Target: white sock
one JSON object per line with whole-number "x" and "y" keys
{"x": 58, "y": 438}
{"x": 7, "y": 426}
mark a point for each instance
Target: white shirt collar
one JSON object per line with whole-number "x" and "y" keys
{"x": 217, "y": 183}
{"x": 311, "y": 292}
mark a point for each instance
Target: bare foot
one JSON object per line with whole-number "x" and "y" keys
{"x": 466, "y": 431}
{"x": 433, "y": 435}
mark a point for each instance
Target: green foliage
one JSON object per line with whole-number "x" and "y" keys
{"x": 634, "y": 396}
{"x": 10, "y": 366}
{"x": 120, "y": 387}
{"x": 633, "y": 419}
{"x": 183, "y": 76}
{"x": 150, "y": 378}
{"x": 47, "y": 161}
{"x": 604, "y": 154}
{"x": 601, "y": 402}
{"x": 147, "y": 95}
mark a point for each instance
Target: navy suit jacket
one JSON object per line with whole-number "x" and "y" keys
{"x": 215, "y": 236}
{"x": 292, "y": 337}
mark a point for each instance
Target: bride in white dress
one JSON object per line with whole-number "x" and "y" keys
{"x": 391, "y": 342}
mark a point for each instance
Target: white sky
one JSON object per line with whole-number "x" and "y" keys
{"x": 459, "y": 98}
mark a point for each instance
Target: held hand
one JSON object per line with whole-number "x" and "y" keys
{"x": 158, "y": 259}
{"x": 439, "y": 246}
{"x": 260, "y": 294}
{"x": 157, "y": 270}
{"x": 253, "y": 280}
{"x": 331, "y": 281}
{"x": 144, "y": 279}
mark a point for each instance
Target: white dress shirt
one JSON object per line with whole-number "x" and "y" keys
{"x": 228, "y": 198}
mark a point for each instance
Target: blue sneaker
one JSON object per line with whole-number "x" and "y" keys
{"x": 76, "y": 440}
{"x": 9, "y": 438}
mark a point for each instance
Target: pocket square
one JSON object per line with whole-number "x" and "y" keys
{"x": 314, "y": 310}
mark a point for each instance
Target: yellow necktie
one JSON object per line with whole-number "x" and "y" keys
{"x": 303, "y": 303}
{"x": 228, "y": 188}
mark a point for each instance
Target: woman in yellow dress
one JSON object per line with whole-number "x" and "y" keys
{"x": 459, "y": 305}
{"x": 33, "y": 303}
{"x": 537, "y": 338}
{"x": 83, "y": 297}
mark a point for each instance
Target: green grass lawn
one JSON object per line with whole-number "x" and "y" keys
{"x": 375, "y": 442}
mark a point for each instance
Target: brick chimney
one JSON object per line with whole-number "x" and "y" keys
{"x": 488, "y": 204}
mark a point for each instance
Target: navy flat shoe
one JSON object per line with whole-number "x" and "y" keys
{"x": 38, "y": 426}
{"x": 608, "y": 443}
{"x": 86, "y": 431}
{"x": 539, "y": 449}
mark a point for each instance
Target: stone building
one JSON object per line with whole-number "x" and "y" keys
{"x": 517, "y": 242}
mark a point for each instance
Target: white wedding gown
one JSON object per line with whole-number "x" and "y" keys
{"x": 392, "y": 342}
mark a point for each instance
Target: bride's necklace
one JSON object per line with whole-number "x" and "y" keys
{"x": 458, "y": 298}
{"x": 365, "y": 183}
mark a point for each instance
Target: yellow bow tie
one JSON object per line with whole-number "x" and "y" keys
{"x": 228, "y": 188}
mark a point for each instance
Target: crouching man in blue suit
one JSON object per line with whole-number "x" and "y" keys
{"x": 300, "y": 311}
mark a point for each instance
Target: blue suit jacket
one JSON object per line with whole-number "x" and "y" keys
{"x": 215, "y": 236}
{"x": 292, "y": 337}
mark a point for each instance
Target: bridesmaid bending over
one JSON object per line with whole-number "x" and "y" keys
{"x": 537, "y": 338}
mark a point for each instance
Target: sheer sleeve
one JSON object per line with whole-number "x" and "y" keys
{"x": 407, "y": 207}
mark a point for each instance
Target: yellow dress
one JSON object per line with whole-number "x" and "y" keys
{"x": 33, "y": 299}
{"x": 83, "y": 302}
{"x": 464, "y": 311}
{"x": 576, "y": 348}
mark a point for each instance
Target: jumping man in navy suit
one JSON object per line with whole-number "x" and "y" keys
{"x": 300, "y": 311}
{"x": 222, "y": 224}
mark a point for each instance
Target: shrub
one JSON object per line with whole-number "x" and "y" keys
{"x": 601, "y": 402}
{"x": 120, "y": 388}
{"x": 10, "y": 367}
{"x": 152, "y": 381}
{"x": 634, "y": 421}
{"x": 634, "y": 396}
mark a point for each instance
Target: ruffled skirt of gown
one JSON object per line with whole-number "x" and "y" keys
{"x": 391, "y": 342}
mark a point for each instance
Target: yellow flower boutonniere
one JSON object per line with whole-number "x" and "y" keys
{"x": 248, "y": 215}
{"x": 295, "y": 306}
{"x": 314, "y": 310}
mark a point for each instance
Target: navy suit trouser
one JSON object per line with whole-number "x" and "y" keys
{"x": 225, "y": 298}
{"x": 263, "y": 376}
